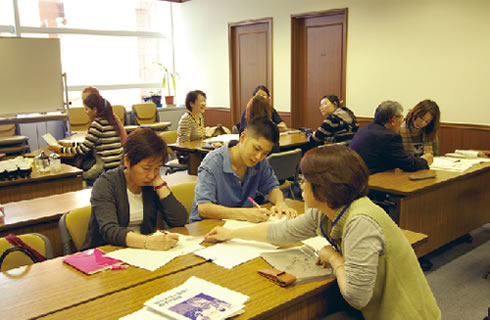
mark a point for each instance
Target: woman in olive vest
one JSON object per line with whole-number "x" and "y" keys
{"x": 376, "y": 268}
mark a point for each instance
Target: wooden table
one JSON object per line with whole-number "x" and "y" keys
{"x": 41, "y": 215}
{"x": 444, "y": 208}
{"x": 41, "y": 184}
{"x": 197, "y": 152}
{"x": 53, "y": 290}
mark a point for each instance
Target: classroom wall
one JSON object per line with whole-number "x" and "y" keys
{"x": 396, "y": 49}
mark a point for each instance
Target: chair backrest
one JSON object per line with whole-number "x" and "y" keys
{"x": 184, "y": 192}
{"x": 286, "y": 164}
{"x": 16, "y": 259}
{"x": 169, "y": 137}
{"x": 120, "y": 112}
{"x": 73, "y": 227}
{"x": 145, "y": 113}
{"x": 7, "y": 130}
{"x": 79, "y": 121}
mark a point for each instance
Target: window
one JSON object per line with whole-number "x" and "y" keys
{"x": 111, "y": 44}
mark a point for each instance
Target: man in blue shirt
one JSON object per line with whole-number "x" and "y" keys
{"x": 228, "y": 176}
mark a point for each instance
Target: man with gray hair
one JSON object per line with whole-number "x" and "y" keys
{"x": 380, "y": 145}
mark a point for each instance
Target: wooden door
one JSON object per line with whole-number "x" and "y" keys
{"x": 250, "y": 49}
{"x": 318, "y": 63}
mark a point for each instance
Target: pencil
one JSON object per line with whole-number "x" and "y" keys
{"x": 254, "y": 203}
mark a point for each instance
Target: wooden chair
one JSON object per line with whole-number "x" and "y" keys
{"x": 184, "y": 192}
{"x": 79, "y": 121}
{"x": 286, "y": 168}
{"x": 172, "y": 163}
{"x": 146, "y": 115}
{"x": 73, "y": 227}
{"x": 16, "y": 259}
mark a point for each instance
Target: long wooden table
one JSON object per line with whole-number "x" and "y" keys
{"x": 287, "y": 141}
{"x": 41, "y": 184}
{"x": 444, "y": 208}
{"x": 53, "y": 290}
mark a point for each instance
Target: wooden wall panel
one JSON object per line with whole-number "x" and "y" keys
{"x": 213, "y": 116}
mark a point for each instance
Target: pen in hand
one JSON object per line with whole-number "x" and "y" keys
{"x": 254, "y": 203}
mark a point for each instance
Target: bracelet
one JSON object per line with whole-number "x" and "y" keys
{"x": 335, "y": 270}
{"x": 163, "y": 184}
{"x": 144, "y": 243}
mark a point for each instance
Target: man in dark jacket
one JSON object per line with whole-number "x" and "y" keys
{"x": 380, "y": 145}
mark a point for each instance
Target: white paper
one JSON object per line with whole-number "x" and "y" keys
{"x": 198, "y": 298}
{"x": 237, "y": 224}
{"x": 316, "y": 243}
{"x": 50, "y": 140}
{"x": 223, "y": 138}
{"x": 455, "y": 165}
{"x": 153, "y": 259}
{"x": 234, "y": 252}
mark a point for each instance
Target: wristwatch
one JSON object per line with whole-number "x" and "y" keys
{"x": 163, "y": 184}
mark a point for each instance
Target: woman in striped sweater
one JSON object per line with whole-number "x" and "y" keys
{"x": 191, "y": 125}
{"x": 339, "y": 119}
{"x": 103, "y": 137}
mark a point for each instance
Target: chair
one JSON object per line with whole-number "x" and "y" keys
{"x": 10, "y": 143}
{"x": 120, "y": 112}
{"x": 146, "y": 115}
{"x": 73, "y": 227}
{"x": 286, "y": 168}
{"x": 79, "y": 121}
{"x": 16, "y": 259}
{"x": 184, "y": 192}
{"x": 172, "y": 164}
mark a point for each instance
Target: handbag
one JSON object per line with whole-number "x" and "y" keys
{"x": 21, "y": 246}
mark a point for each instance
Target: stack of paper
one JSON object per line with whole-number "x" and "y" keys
{"x": 223, "y": 138}
{"x": 50, "y": 140}
{"x": 468, "y": 154}
{"x": 316, "y": 243}
{"x": 455, "y": 165}
{"x": 195, "y": 299}
{"x": 154, "y": 259}
{"x": 237, "y": 224}
{"x": 234, "y": 252}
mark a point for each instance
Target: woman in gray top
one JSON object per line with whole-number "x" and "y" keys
{"x": 126, "y": 201}
{"x": 377, "y": 271}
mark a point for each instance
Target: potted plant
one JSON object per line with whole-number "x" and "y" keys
{"x": 156, "y": 97}
{"x": 168, "y": 80}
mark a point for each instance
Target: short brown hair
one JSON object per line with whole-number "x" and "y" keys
{"x": 144, "y": 143}
{"x": 337, "y": 174}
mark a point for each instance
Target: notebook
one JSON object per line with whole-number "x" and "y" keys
{"x": 91, "y": 261}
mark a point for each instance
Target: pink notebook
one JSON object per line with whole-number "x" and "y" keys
{"x": 91, "y": 261}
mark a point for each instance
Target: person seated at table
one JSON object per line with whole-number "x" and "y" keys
{"x": 126, "y": 201}
{"x": 380, "y": 145}
{"x": 228, "y": 176}
{"x": 339, "y": 120}
{"x": 102, "y": 145}
{"x": 262, "y": 91}
{"x": 376, "y": 268}
{"x": 419, "y": 132}
{"x": 191, "y": 124}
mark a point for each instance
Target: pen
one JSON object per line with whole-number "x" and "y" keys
{"x": 161, "y": 231}
{"x": 254, "y": 203}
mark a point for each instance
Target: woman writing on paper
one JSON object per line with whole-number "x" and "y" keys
{"x": 338, "y": 120}
{"x": 419, "y": 132}
{"x": 126, "y": 201}
{"x": 104, "y": 139}
{"x": 376, "y": 269}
